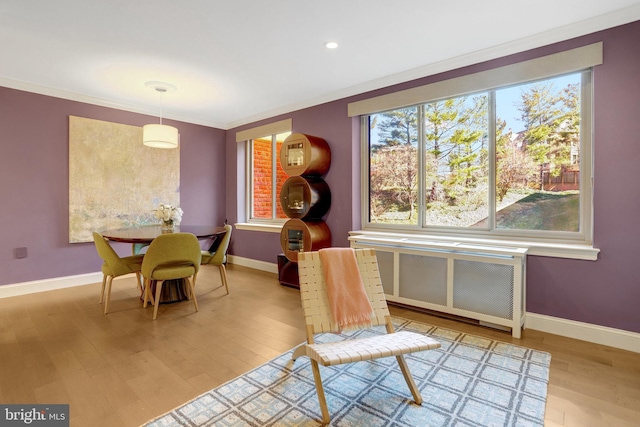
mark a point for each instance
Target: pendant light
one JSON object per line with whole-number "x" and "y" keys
{"x": 159, "y": 135}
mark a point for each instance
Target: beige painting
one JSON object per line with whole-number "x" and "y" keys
{"x": 114, "y": 180}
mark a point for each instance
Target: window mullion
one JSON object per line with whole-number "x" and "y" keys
{"x": 274, "y": 178}
{"x": 586, "y": 155}
{"x": 365, "y": 167}
{"x": 421, "y": 166}
{"x": 492, "y": 160}
{"x": 250, "y": 176}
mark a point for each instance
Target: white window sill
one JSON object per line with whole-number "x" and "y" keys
{"x": 556, "y": 250}
{"x": 264, "y": 227}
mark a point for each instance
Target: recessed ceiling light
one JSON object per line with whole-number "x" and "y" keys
{"x": 331, "y": 45}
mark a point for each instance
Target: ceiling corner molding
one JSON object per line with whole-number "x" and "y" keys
{"x": 581, "y": 28}
{"x": 77, "y": 97}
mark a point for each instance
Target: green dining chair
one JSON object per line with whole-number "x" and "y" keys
{"x": 171, "y": 256}
{"x": 219, "y": 256}
{"x": 115, "y": 266}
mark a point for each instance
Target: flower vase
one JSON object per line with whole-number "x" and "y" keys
{"x": 167, "y": 226}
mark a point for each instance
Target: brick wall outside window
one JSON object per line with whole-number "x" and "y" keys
{"x": 262, "y": 195}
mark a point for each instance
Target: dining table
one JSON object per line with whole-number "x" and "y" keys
{"x": 145, "y": 234}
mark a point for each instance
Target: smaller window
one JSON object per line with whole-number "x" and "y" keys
{"x": 266, "y": 177}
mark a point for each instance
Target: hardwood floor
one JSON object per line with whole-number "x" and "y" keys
{"x": 123, "y": 369}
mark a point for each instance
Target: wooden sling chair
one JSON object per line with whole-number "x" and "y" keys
{"x": 318, "y": 319}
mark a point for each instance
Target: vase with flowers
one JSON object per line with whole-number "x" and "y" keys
{"x": 169, "y": 215}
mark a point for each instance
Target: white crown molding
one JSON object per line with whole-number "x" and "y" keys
{"x": 602, "y": 22}
{"x": 588, "y": 26}
{"x": 73, "y": 96}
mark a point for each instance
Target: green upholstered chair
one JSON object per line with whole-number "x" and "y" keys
{"x": 115, "y": 266}
{"x": 219, "y": 257}
{"x": 171, "y": 256}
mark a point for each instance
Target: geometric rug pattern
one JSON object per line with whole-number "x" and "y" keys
{"x": 469, "y": 382}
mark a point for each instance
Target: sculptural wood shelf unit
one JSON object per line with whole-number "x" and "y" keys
{"x": 305, "y": 198}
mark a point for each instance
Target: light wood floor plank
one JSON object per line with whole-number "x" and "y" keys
{"x": 123, "y": 369}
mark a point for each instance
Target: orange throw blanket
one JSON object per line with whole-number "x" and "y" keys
{"x": 350, "y": 306}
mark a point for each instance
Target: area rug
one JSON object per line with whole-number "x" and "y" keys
{"x": 469, "y": 382}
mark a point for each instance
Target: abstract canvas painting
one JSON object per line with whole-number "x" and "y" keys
{"x": 114, "y": 180}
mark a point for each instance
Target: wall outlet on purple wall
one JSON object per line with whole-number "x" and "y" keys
{"x": 20, "y": 252}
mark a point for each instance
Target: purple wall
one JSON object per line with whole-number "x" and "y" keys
{"x": 34, "y": 186}
{"x": 604, "y": 292}
{"x": 34, "y": 182}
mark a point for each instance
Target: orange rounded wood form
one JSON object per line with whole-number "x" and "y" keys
{"x": 303, "y": 236}
{"x": 305, "y": 155}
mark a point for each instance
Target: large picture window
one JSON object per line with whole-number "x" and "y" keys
{"x": 509, "y": 161}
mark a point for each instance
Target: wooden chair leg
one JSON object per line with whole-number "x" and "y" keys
{"x": 157, "y": 299}
{"x": 193, "y": 281}
{"x": 192, "y": 290}
{"x": 152, "y": 299}
{"x": 104, "y": 284}
{"x": 107, "y": 296}
{"x": 300, "y": 350}
{"x": 326, "y": 418}
{"x": 223, "y": 277}
{"x": 147, "y": 292}
{"x": 139, "y": 282}
{"x": 417, "y": 397}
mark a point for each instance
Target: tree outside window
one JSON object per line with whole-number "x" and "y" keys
{"x": 431, "y": 165}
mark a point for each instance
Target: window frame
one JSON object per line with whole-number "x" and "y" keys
{"x": 245, "y": 140}
{"x": 449, "y": 89}
{"x": 275, "y": 198}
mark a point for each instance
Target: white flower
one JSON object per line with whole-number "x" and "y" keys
{"x": 168, "y": 212}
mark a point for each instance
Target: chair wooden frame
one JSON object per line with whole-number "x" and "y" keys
{"x": 318, "y": 319}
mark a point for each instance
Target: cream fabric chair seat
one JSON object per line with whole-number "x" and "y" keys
{"x": 369, "y": 348}
{"x": 318, "y": 319}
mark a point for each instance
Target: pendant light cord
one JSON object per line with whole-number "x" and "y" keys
{"x": 162, "y": 91}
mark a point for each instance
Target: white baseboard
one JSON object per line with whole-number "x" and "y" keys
{"x": 269, "y": 267}
{"x": 49, "y": 284}
{"x": 553, "y": 325}
{"x": 603, "y": 335}
{"x": 43, "y": 285}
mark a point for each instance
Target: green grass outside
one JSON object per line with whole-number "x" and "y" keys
{"x": 542, "y": 211}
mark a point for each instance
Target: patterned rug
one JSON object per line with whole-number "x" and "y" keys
{"x": 469, "y": 382}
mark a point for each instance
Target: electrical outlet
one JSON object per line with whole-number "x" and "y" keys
{"x": 20, "y": 252}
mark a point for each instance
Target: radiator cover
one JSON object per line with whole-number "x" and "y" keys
{"x": 482, "y": 282}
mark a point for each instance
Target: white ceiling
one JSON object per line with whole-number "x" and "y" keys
{"x": 238, "y": 61}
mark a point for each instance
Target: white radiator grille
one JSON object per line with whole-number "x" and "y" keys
{"x": 385, "y": 265}
{"x": 483, "y": 288}
{"x": 423, "y": 278}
